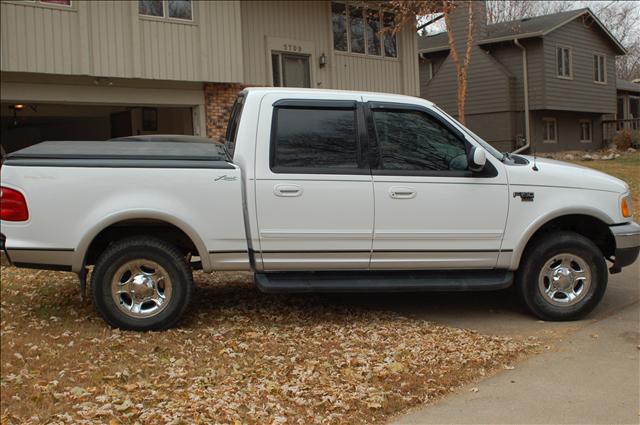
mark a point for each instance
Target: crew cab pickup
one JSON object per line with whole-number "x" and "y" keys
{"x": 316, "y": 190}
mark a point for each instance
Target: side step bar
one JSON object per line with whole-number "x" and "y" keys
{"x": 384, "y": 281}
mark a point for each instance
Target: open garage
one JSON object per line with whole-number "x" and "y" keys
{"x": 50, "y": 108}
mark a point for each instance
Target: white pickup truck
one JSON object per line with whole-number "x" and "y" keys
{"x": 316, "y": 190}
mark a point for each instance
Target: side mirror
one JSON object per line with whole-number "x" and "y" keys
{"x": 477, "y": 159}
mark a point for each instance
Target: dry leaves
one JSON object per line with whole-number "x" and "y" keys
{"x": 239, "y": 356}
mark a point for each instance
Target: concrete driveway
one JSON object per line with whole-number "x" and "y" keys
{"x": 589, "y": 372}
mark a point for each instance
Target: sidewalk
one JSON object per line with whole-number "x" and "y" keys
{"x": 592, "y": 376}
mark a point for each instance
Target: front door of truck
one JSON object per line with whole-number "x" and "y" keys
{"x": 314, "y": 190}
{"x": 431, "y": 212}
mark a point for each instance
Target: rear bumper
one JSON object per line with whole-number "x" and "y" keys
{"x": 627, "y": 238}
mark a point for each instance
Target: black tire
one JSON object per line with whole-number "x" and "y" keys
{"x": 123, "y": 252}
{"x": 544, "y": 249}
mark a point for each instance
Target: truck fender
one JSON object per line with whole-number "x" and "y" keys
{"x": 531, "y": 230}
{"x": 90, "y": 234}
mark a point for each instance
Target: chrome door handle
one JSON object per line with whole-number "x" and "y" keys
{"x": 398, "y": 192}
{"x": 287, "y": 190}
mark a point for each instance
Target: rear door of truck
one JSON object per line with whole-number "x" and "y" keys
{"x": 314, "y": 190}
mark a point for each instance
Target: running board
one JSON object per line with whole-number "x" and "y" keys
{"x": 384, "y": 281}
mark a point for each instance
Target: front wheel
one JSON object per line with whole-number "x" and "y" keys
{"x": 563, "y": 276}
{"x": 141, "y": 283}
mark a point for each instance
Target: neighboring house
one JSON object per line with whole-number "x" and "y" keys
{"x": 92, "y": 70}
{"x": 569, "y": 78}
{"x": 627, "y": 116}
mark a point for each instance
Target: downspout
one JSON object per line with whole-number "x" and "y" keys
{"x": 525, "y": 76}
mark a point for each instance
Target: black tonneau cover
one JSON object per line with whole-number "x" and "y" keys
{"x": 116, "y": 154}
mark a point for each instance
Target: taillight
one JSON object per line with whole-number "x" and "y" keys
{"x": 13, "y": 206}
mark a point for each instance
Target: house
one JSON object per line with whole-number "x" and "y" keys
{"x": 546, "y": 81}
{"x": 627, "y": 116}
{"x": 93, "y": 70}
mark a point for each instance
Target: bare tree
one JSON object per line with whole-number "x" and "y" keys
{"x": 406, "y": 13}
{"x": 512, "y": 10}
{"x": 462, "y": 67}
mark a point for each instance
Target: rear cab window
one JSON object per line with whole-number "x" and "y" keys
{"x": 320, "y": 138}
{"x": 232, "y": 125}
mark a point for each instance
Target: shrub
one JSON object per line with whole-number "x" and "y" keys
{"x": 623, "y": 140}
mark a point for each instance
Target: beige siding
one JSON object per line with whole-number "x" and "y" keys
{"x": 110, "y": 39}
{"x": 362, "y": 73}
{"x": 273, "y": 24}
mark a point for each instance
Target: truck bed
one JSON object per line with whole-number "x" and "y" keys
{"x": 115, "y": 154}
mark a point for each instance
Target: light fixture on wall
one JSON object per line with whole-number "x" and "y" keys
{"x": 17, "y": 106}
{"x": 323, "y": 60}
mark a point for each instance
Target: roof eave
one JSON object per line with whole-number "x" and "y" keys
{"x": 621, "y": 49}
{"x": 510, "y": 37}
{"x": 434, "y": 49}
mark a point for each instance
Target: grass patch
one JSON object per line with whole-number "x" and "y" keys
{"x": 626, "y": 168}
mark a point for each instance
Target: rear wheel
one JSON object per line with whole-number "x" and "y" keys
{"x": 563, "y": 276}
{"x": 141, "y": 283}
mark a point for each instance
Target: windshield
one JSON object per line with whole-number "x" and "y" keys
{"x": 493, "y": 151}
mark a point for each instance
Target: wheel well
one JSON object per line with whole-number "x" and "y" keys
{"x": 137, "y": 227}
{"x": 590, "y": 227}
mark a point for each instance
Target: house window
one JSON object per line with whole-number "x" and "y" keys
{"x": 59, "y": 2}
{"x": 599, "y": 68}
{"x": 390, "y": 47}
{"x": 360, "y": 30}
{"x": 585, "y": 131}
{"x": 563, "y": 60}
{"x": 429, "y": 67}
{"x": 356, "y": 28}
{"x": 53, "y": 2}
{"x": 171, "y": 9}
{"x": 373, "y": 32}
{"x": 550, "y": 130}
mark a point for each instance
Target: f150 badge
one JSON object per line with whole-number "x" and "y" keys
{"x": 226, "y": 178}
{"x": 524, "y": 196}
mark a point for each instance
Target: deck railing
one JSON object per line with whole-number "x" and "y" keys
{"x": 612, "y": 127}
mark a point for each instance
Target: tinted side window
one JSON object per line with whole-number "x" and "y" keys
{"x": 232, "y": 125}
{"x": 412, "y": 140}
{"x": 314, "y": 139}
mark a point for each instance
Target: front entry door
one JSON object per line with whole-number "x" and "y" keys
{"x": 314, "y": 190}
{"x": 290, "y": 70}
{"x": 431, "y": 212}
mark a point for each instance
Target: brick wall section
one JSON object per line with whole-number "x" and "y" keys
{"x": 218, "y": 101}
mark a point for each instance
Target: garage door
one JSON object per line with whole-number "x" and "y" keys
{"x": 82, "y": 108}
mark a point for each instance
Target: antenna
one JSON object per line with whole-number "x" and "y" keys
{"x": 535, "y": 166}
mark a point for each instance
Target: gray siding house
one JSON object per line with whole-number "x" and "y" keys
{"x": 557, "y": 102}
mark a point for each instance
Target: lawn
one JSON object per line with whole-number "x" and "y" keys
{"x": 239, "y": 356}
{"x": 627, "y": 168}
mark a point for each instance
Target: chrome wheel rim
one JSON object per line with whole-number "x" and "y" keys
{"x": 141, "y": 288}
{"x": 564, "y": 280}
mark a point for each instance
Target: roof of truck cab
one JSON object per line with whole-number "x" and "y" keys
{"x": 328, "y": 92}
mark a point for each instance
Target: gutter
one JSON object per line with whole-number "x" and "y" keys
{"x": 525, "y": 77}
